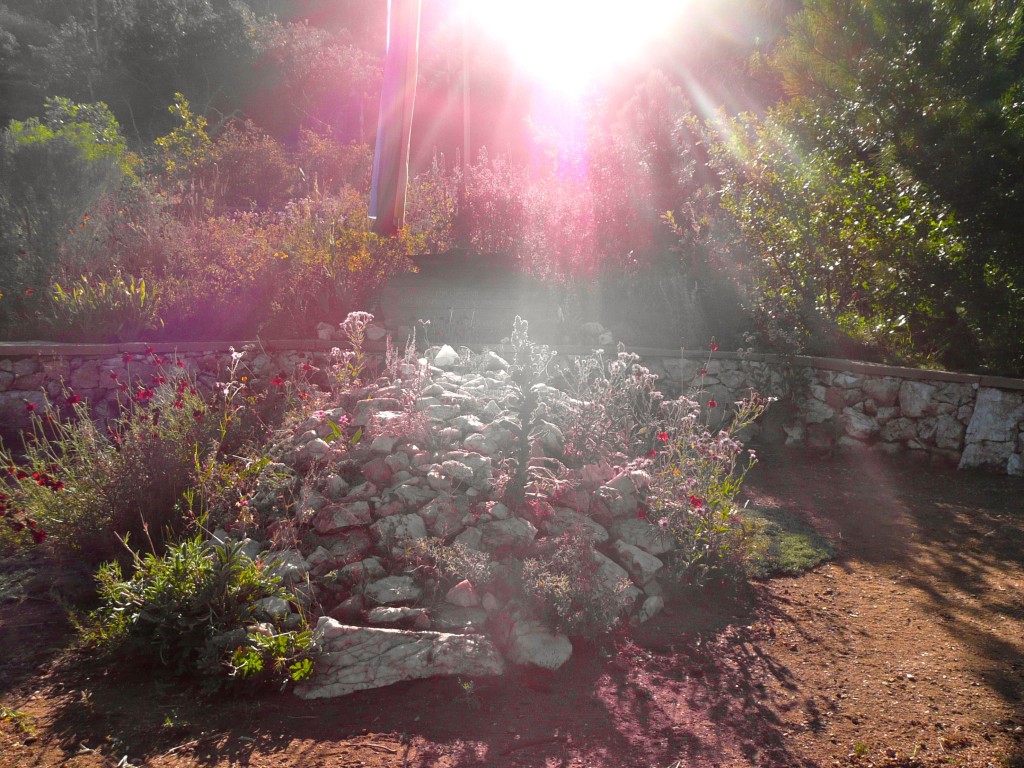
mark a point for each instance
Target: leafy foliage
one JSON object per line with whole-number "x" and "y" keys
{"x": 197, "y": 610}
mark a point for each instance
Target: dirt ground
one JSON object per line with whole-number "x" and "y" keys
{"x": 907, "y": 650}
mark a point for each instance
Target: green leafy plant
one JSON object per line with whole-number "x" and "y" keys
{"x": 196, "y": 610}
{"x": 110, "y": 310}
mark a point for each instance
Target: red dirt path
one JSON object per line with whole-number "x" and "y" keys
{"x": 907, "y": 650}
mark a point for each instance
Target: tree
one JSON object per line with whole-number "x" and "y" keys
{"x": 934, "y": 91}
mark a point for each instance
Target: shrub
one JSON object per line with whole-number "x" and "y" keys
{"x": 247, "y": 170}
{"x": 196, "y": 610}
{"x": 87, "y": 310}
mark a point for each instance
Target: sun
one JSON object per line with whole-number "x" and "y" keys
{"x": 567, "y": 45}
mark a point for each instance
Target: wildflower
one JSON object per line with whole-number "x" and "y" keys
{"x": 126, "y": 358}
{"x": 235, "y": 356}
{"x": 150, "y": 350}
{"x": 712, "y": 403}
{"x": 663, "y": 522}
{"x": 713, "y": 346}
{"x": 308, "y": 368}
{"x": 38, "y": 535}
{"x": 158, "y": 360}
{"x": 180, "y": 364}
{"x": 696, "y": 502}
{"x": 158, "y": 380}
{"x": 29, "y": 406}
{"x": 703, "y": 371}
{"x": 197, "y": 415}
{"x": 663, "y": 436}
{"x": 73, "y": 399}
{"x": 641, "y": 513}
{"x": 113, "y": 375}
{"x": 651, "y": 453}
{"x": 278, "y": 381}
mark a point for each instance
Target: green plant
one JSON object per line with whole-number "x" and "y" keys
{"x": 564, "y": 586}
{"x": 196, "y": 610}
{"x": 22, "y": 721}
{"x": 777, "y": 542}
{"x": 108, "y": 310}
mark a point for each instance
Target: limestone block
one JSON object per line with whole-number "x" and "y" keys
{"x": 642, "y": 566}
{"x": 392, "y": 590}
{"x": 884, "y": 391}
{"x": 530, "y": 642}
{"x": 914, "y": 397}
{"x": 997, "y": 414}
{"x": 359, "y": 658}
{"x": 859, "y": 425}
{"x": 642, "y": 534}
{"x": 514, "y": 533}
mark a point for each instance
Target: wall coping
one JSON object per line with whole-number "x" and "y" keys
{"x": 61, "y": 349}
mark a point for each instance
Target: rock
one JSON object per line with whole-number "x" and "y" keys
{"x": 349, "y": 609}
{"x": 446, "y": 357}
{"x": 883, "y": 391}
{"x": 395, "y": 531}
{"x": 413, "y": 496}
{"x": 393, "y": 615}
{"x": 377, "y": 472}
{"x": 614, "y": 579}
{"x": 316, "y": 448}
{"x": 530, "y": 642}
{"x": 651, "y": 607}
{"x": 392, "y": 590}
{"x": 273, "y": 607}
{"x": 335, "y": 487}
{"x": 642, "y": 534}
{"x": 369, "y": 569}
{"x": 491, "y": 361}
{"x": 988, "y": 454}
{"x": 914, "y": 397}
{"x": 858, "y": 425}
{"x": 471, "y": 539}
{"x": 290, "y": 566}
{"x": 384, "y": 444}
{"x": 359, "y": 658}
{"x": 1015, "y": 465}
{"x": 997, "y": 414}
{"x": 507, "y": 534}
{"x": 463, "y": 595}
{"x": 567, "y": 520}
{"x": 454, "y": 618}
{"x": 642, "y": 566}
{"x": 337, "y": 517}
{"x": 443, "y": 516}
{"x": 816, "y": 412}
{"x": 899, "y": 430}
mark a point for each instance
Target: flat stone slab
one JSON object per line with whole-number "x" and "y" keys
{"x": 359, "y": 658}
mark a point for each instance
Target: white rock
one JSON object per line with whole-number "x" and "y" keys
{"x": 642, "y": 566}
{"x": 530, "y": 642}
{"x": 463, "y": 595}
{"x": 393, "y": 615}
{"x": 446, "y": 357}
{"x": 996, "y": 415}
{"x": 642, "y": 534}
{"x": 359, "y": 658}
{"x": 396, "y": 530}
{"x": 392, "y": 590}
{"x": 455, "y": 618}
{"x": 858, "y": 425}
{"x": 915, "y": 397}
{"x": 651, "y": 607}
{"x": 514, "y": 533}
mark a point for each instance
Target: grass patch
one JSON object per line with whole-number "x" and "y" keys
{"x": 780, "y": 543}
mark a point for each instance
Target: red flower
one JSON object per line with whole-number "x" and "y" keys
{"x": 73, "y": 399}
{"x": 712, "y": 403}
{"x": 651, "y": 453}
{"x": 126, "y": 358}
{"x": 696, "y": 501}
{"x": 38, "y": 535}
{"x": 641, "y": 513}
{"x": 703, "y": 371}
{"x": 158, "y": 380}
{"x": 197, "y": 415}
{"x": 713, "y": 346}
{"x": 16, "y": 525}
{"x": 308, "y": 368}
{"x": 278, "y": 381}
{"x": 178, "y": 404}
{"x": 113, "y": 375}
{"x": 663, "y": 436}
{"x": 180, "y": 364}
{"x": 150, "y": 351}
{"x": 29, "y": 407}
{"x": 158, "y": 360}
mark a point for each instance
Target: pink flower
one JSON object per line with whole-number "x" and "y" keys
{"x": 663, "y": 522}
{"x": 713, "y": 346}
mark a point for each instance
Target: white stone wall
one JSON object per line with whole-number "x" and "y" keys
{"x": 965, "y": 420}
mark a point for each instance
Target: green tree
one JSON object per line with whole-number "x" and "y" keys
{"x": 933, "y": 89}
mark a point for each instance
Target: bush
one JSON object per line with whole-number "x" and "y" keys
{"x": 88, "y": 310}
{"x": 196, "y": 610}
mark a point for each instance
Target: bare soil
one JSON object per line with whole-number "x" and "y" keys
{"x": 907, "y": 650}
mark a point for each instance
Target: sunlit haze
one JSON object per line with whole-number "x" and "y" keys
{"x": 567, "y": 45}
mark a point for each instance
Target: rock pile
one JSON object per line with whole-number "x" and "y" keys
{"x": 430, "y": 464}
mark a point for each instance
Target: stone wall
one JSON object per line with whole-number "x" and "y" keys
{"x": 966, "y": 420}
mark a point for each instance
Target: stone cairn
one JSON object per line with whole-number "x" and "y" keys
{"x": 427, "y": 465}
